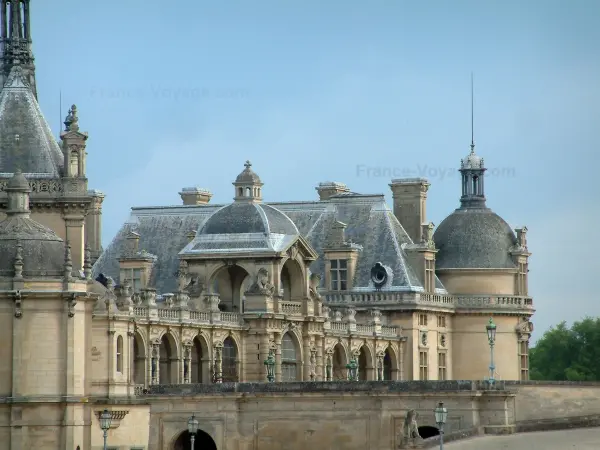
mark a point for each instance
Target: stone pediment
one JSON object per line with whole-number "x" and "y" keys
{"x": 303, "y": 249}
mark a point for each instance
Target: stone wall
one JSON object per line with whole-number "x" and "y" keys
{"x": 318, "y": 415}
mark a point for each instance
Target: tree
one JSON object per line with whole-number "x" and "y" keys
{"x": 564, "y": 353}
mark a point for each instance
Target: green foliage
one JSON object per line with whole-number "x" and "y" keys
{"x": 564, "y": 353}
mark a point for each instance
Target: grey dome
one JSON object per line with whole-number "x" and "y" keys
{"x": 474, "y": 239}
{"x": 248, "y": 175}
{"x": 240, "y": 218}
{"x": 43, "y": 251}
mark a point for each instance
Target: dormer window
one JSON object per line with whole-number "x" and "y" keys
{"x": 134, "y": 276}
{"x": 339, "y": 274}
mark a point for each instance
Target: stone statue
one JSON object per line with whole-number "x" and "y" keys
{"x": 262, "y": 285}
{"x": 524, "y": 328}
{"x": 410, "y": 430}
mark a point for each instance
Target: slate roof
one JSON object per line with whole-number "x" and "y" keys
{"x": 474, "y": 238}
{"x": 370, "y": 224}
{"x": 37, "y": 151}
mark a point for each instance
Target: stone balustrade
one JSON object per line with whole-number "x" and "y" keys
{"x": 184, "y": 315}
{"x": 451, "y": 302}
{"x": 357, "y": 329}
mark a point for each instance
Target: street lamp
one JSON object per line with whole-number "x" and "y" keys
{"x": 352, "y": 367}
{"x": 491, "y": 333}
{"x": 105, "y": 420}
{"x": 193, "y": 429}
{"x": 441, "y": 414}
{"x": 270, "y": 363}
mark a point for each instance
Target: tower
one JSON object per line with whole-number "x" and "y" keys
{"x": 248, "y": 185}
{"x": 15, "y": 41}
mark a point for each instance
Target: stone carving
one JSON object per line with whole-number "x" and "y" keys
{"x": 443, "y": 340}
{"x": 427, "y": 235}
{"x": 18, "y": 297}
{"x": 72, "y": 301}
{"x": 350, "y": 315}
{"x": 293, "y": 252}
{"x": 262, "y": 285}
{"x": 314, "y": 282}
{"x": 380, "y": 358}
{"x": 72, "y": 121}
{"x": 337, "y": 316}
{"x": 149, "y": 297}
{"x": 376, "y": 314}
{"x": 410, "y": 430}
{"x": 313, "y": 364}
{"x": 19, "y": 261}
{"x": 327, "y": 312}
{"x": 524, "y": 329}
{"x": 123, "y": 293}
{"x": 424, "y": 339}
{"x": 168, "y": 300}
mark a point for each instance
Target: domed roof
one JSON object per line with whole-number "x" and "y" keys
{"x": 472, "y": 160}
{"x": 248, "y": 175}
{"x": 472, "y": 238}
{"x": 238, "y": 218}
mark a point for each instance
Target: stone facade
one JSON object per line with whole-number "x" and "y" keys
{"x": 299, "y": 322}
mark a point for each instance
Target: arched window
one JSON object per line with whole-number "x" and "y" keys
{"x": 289, "y": 359}
{"x": 74, "y": 164}
{"x": 229, "y": 361}
{"x": 120, "y": 354}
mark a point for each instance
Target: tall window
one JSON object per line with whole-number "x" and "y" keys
{"x": 423, "y": 366}
{"x": 229, "y": 361}
{"x": 288, "y": 359}
{"x": 522, "y": 279}
{"x": 441, "y": 321}
{"x": 120, "y": 354}
{"x": 339, "y": 274}
{"x": 429, "y": 275}
{"x": 423, "y": 320}
{"x": 524, "y": 359}
{"x": 442, "y": 369}
{"x": 134, "y": 276}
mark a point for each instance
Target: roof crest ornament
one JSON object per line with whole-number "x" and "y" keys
{"x": 72, "y": 120}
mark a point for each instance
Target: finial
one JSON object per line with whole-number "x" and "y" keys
{"x": 248, "y": 164}
{"x": 19, "y": 261}
{"x": 68, "y": 262}
{"x": 87, "y": 263}
{"x": 72, "y": 121}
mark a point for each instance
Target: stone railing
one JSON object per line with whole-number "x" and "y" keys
{"x": 182, "y": 315}
{"x": 374, "y": 299}
{"x": 290, "y": 308}
{"x": 358, "y": 329}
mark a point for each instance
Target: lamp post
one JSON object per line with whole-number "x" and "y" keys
{"x": 270, "y": 363}
{"x": 193, "y": 429}
{"x": 105, "y": 420}
{"x": 491, "y": 334}
{"x": 441, "y": 414}
{"x": 352, "y": 367}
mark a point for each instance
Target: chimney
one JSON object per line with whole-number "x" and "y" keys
{"x": 410, "y": 199}
{"x": 328, "y": 189}
{"x": 195, "y": 196}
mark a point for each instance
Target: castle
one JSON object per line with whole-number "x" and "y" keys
{"x": 340, "y": 288}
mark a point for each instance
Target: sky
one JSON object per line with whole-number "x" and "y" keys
{"x": 177, "y": 94}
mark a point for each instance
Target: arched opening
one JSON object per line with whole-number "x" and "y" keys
{"x": 202, "y": 441}
{"x": 428, "y": 431}
{"x": 119, "y": 354}
{"x": 229, "y": 361}
{"x": 292, "y": 281}
{"x": 240, "y": 192}
{"x": 387, "y": 365}
{"x": 167, "y": 361}
{"x": 139, "y": 360}
{"x": 229, "y": 285}
{"x": 339, "y": 372}
{"x": 475, "y": 185}
{"x": 290, "y": 364}
{"x": 365, "y": 364}
{"x": 200, "y": 362}
{"x": 248, "y": 191}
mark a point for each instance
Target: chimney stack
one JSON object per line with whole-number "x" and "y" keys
{"x": 410, "y": 200}
{"x": 328, "y": 189}
{"x": 195, "y": 196}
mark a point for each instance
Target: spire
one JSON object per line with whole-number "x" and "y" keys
{"x": 248, "y": 186}
{"x": 472, "y": 170}
{"x": 15, "y": 40}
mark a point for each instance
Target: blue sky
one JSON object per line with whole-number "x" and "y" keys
{"x": 181, "y": 93}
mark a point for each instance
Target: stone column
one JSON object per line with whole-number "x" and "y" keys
{"x": 93, "y": 225}
{"x": 130, "y": 362}
{"x": 306, "y": 358}
{"x": 320, "y": 366}
{"x": 155, "y": 364}
{"x": 274, "y": 341}
{"x": 186, "y": 367}
{"x": 218, "y": 364}
{"x": 329, "y": 365}
{"x": 380, "y": 357}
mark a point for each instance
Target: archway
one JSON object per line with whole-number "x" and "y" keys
{"x": 229, "y": 361}
{"x": 203, "y": 441}
{"x": 365, "y": 364}
{"x": 168, "y": 360}
{"x": 339, "y": 372}
{"x": 290, "y": 361}
{"x": 138, "y": 362}
{"x": 200, "y": 362}
{"x": 227, "y": 282}
{"x": 428, "y": 431}
{"x": 387, "y": 365}
{"x": 292, "y": 281}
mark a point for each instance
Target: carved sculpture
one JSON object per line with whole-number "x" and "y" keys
{"x": 410, "y": 430}
{"x": 18, "y": 297}
{"x": 524, "y": 328}
{"x": 262, "y": 285}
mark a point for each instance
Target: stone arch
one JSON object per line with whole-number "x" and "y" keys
{"x": 230, "y": 358}
{"x": 365, "y": 362}
{"x": 293, "y": 280}
{"x": 119, "y": 353}
{"x": 200, "y": 360}
{"x": 291, "y": 357}
{"x": 138, "y": 358}
{"x": 339, "y": 361}
{"x": 168, "y": 359}
{"x": 227, "y": 282}
{"x": 202, "y": 440}
{"x": 391, "y": 366}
